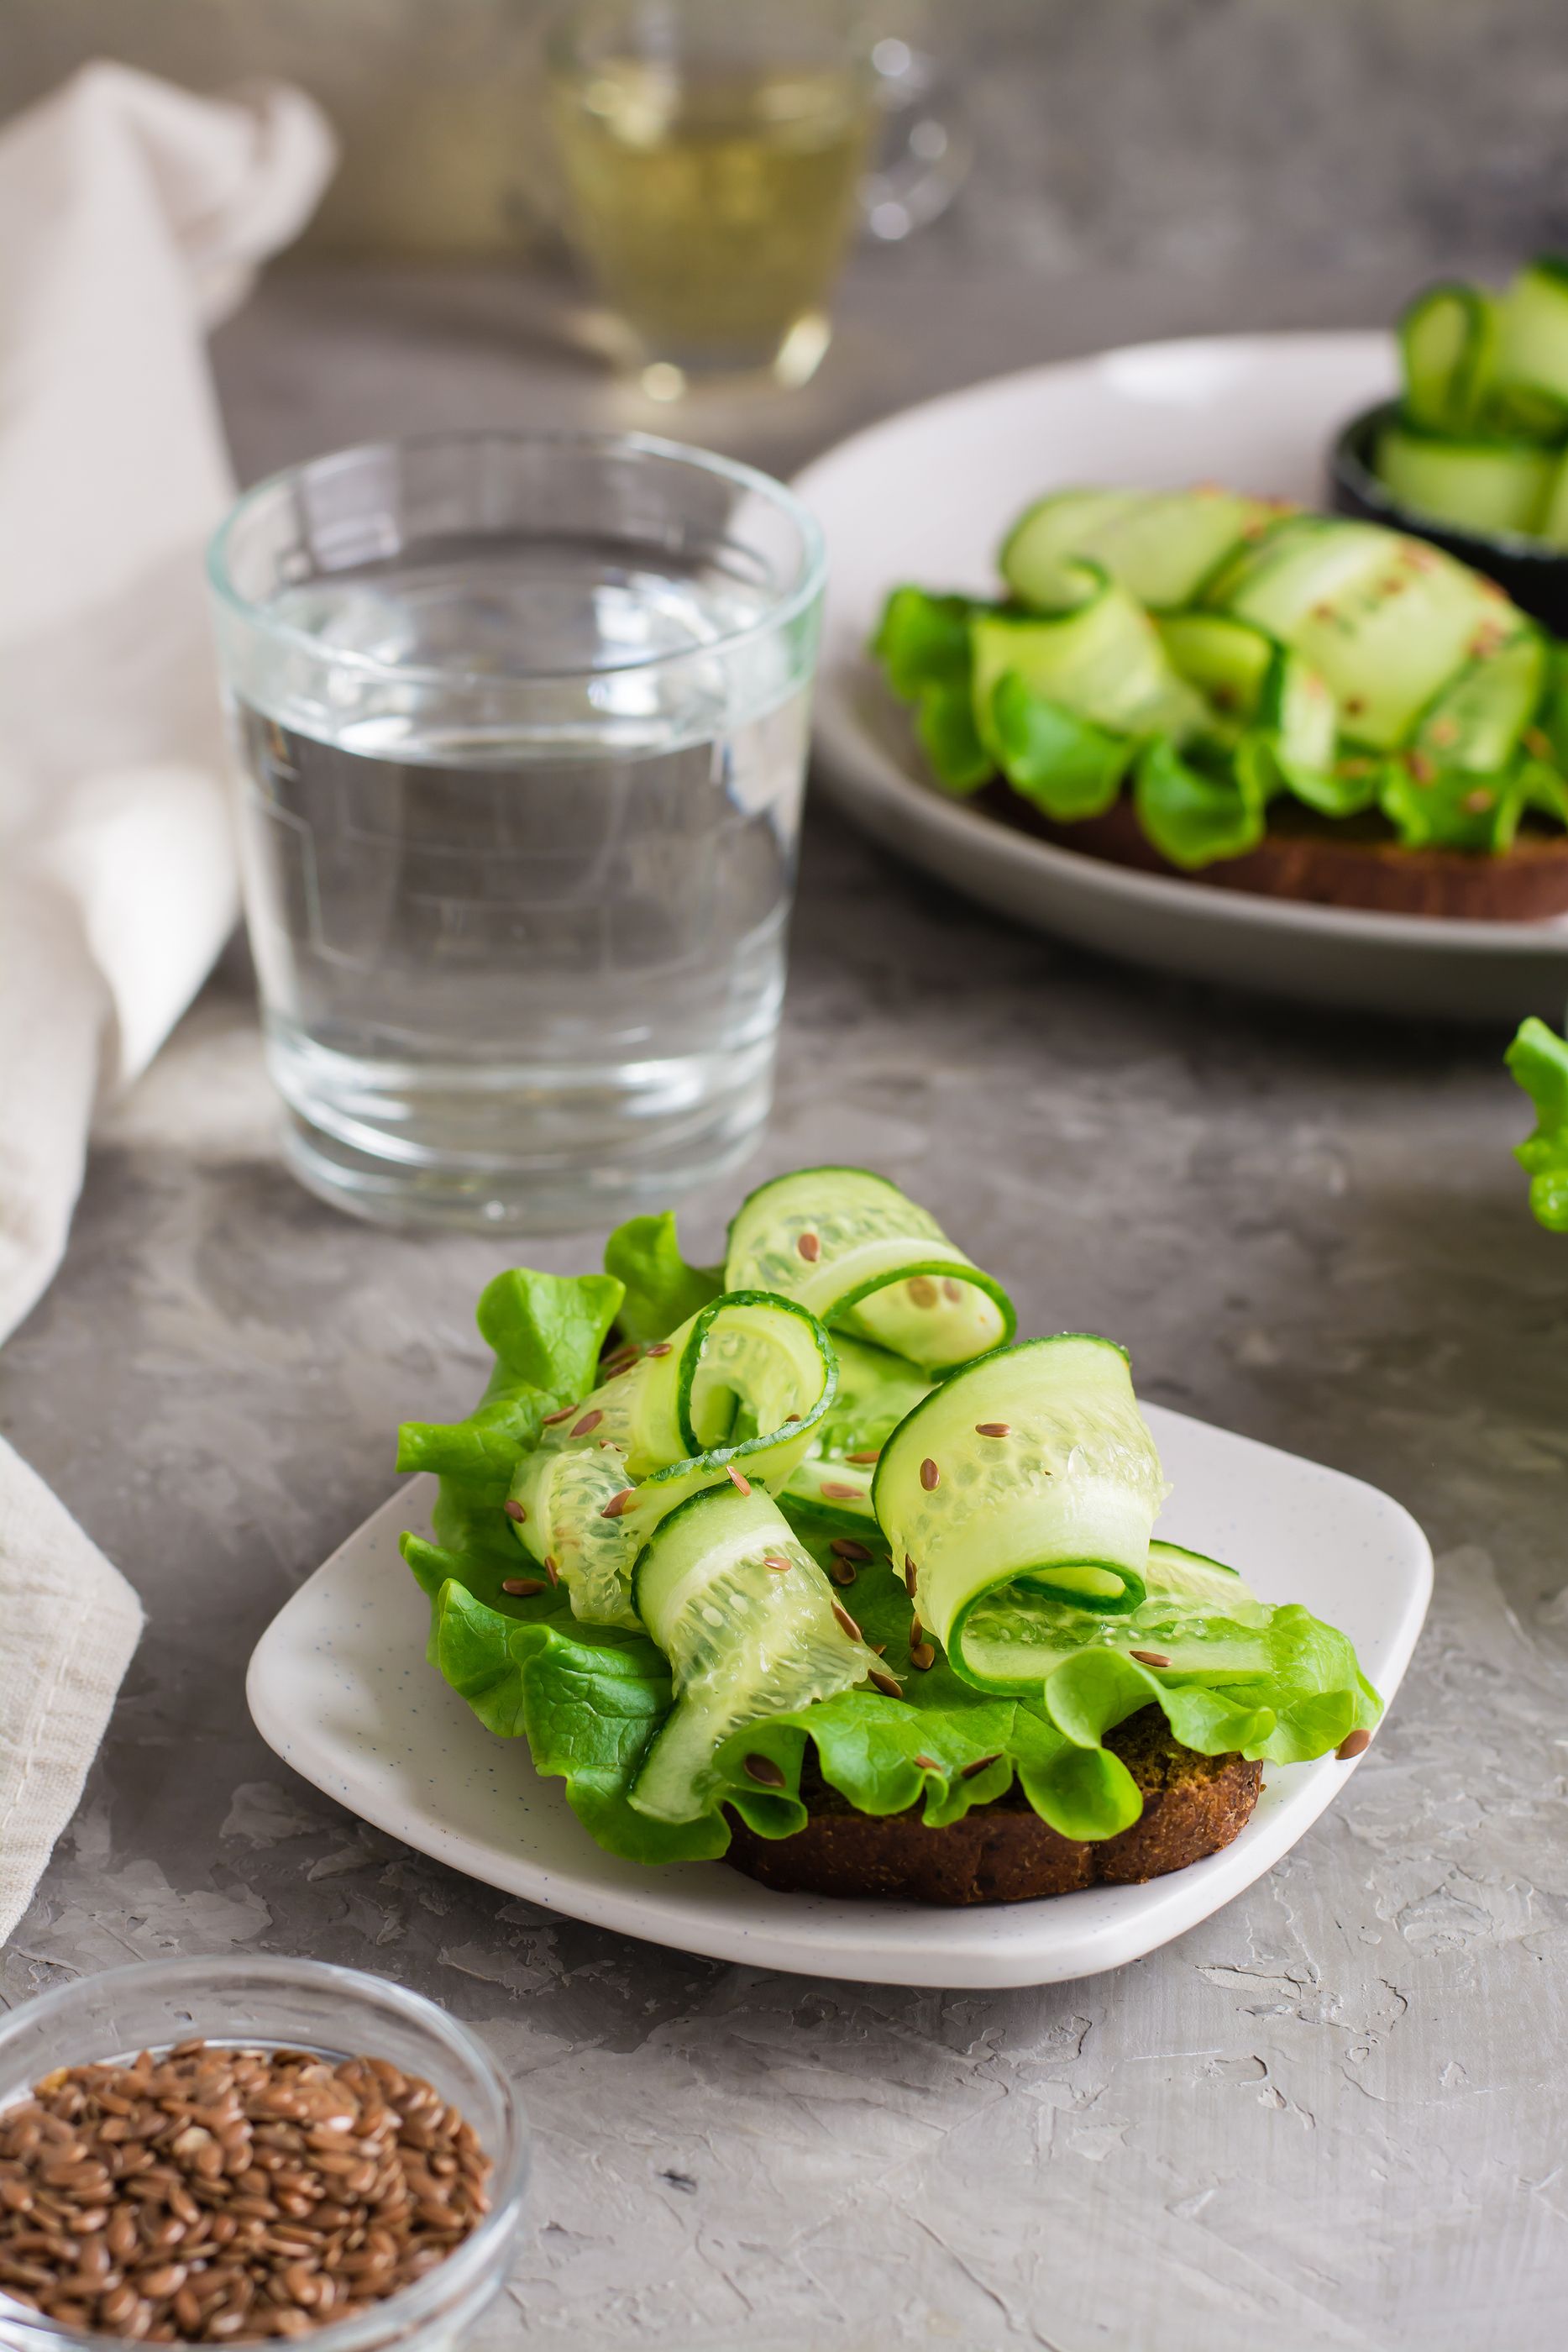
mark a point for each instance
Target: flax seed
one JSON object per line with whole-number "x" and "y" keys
{"x": 930, "y": 1476}
{"x": 1354, "y": 1743}
{"x": 588, "y": 1424}
{"x": 523, "y": 1587}
{"x": 980, "y": 1764}
{"x": 849, "y": 1547}
{"x": 809, "y": 1248}
{"x": 921, "y": 1655}
{"x": 889, "y": 1684}
{"x": 1149, "y": 1658}
{"x": 845, "y": 1622}
{"x": 873, "y": 1455}
{"x": 515, "y": 1511}
{"x": 737, "y": 1479}
{"x": 993, "y": 1429}
{"x": 112, "y": 2172}
{"x": 839, "y": 1493}
{"x": 763, "y": 1769}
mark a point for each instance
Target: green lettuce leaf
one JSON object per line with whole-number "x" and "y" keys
{"x": 1433, "y": 807}
{"x": 1539, "y": 1060}
{"x": 1195, "y": 810}
{"x": 547, "y": 1330}
{"x": 923, "y": 644}
{"x": 1067, "y": 766}
{"x": 661, "y": 1291}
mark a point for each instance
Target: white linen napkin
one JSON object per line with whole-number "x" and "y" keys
{"x": 132, "y": 216}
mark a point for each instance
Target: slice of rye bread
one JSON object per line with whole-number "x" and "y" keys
{"x": 1003, "y": 1851}
{"x": 1351, "y": 863}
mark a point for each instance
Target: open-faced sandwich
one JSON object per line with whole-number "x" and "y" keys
{"x": 1201, "y": 683}
{"x": 807, "y": 1562}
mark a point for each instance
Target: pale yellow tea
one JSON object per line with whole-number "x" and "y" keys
{"x": 714, "y": 207}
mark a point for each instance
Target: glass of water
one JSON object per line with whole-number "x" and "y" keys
{"x": 521, "y": 724}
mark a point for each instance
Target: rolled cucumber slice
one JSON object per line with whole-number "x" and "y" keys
{"x": 1101, "y": 660}
{"x": 1532, "y": 350}
{"x": 856, "y": 1251}
{"x": 1478, "y": 720}
{"x": 1227, "y": 661}
{"x": 1030, "y": 1472}
{"x": 1160, "y": 545}
{"x": 1384, "y": 620}
{"x": 747, "y": 1621}
{"x": 1197, "y": 1617}
{"x": 1490, "y": 485}
{"x": 736, "y": 1393}
{"x": 1448, "y": 350}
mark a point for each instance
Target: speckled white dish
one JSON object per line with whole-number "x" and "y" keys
{"x": 927, "y": 496}
{"x": 340, "y": 1688}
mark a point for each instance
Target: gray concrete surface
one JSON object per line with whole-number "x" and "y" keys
{"x": 1334, "y": 2115}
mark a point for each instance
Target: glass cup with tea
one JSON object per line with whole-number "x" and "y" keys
{"x": 715, "y": 156}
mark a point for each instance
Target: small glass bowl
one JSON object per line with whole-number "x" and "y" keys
{"x": 298, "y": 2004}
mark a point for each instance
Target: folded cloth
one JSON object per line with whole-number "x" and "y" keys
{"x": 132, "y": 216}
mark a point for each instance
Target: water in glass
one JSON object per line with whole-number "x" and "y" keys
{"x": 520, "y": 969}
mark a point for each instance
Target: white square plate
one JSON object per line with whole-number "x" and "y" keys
{"x": 340, "y": 1688}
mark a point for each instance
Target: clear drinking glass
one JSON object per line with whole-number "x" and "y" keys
{"x": 521, "y": 724}
{"x": 712, "y": 153}
{"x": 295, "y": 2004}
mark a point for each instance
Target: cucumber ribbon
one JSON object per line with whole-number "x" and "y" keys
{"x": 1031, "y": 1474}
{"x": 733, "y": 1394}
{"x": 1479, "y": 436}
{"x": 748, "y": 1622}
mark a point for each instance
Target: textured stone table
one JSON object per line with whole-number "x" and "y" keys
{"x": 1334, "y": 2115}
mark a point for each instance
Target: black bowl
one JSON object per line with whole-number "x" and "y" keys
{"x": 1536, "y": 577}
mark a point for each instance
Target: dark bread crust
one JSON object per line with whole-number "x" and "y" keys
{"x": 1342, "y": 864}
{"x": 1003, "y": 1851}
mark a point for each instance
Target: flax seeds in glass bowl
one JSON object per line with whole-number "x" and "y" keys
{"x": 344, "y": 2088}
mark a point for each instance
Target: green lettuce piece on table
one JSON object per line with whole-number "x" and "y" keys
{"x": 1539, "y": 1060}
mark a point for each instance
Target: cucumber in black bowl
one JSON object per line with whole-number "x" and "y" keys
{"x": 1534, "y": 575}
{"x": 1474, "y": 454}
